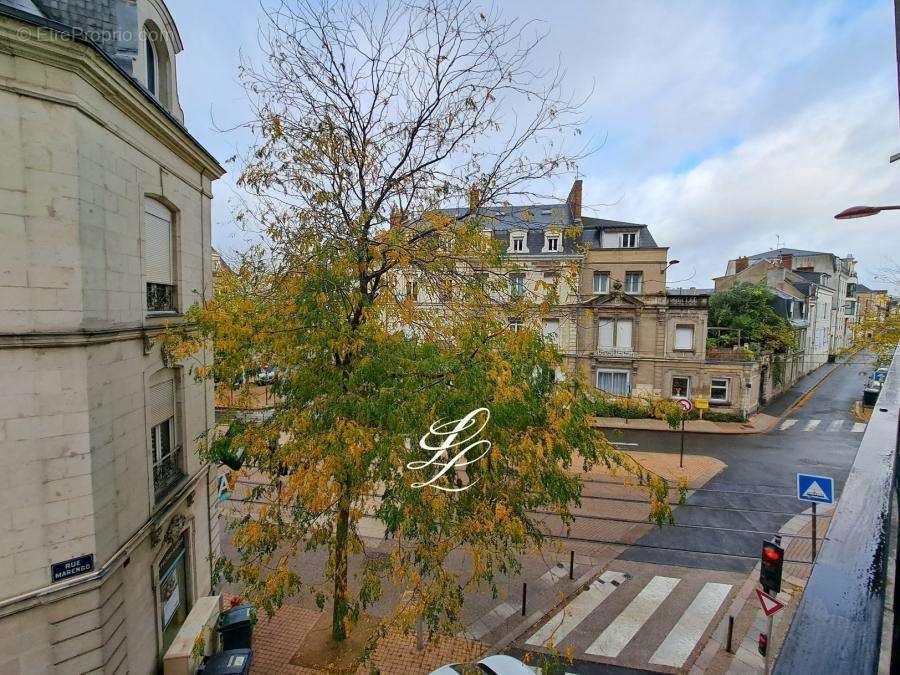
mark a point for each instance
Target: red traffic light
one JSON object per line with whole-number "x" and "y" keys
{"x": 771, "y": 553}
{"x": 763, "y": 643}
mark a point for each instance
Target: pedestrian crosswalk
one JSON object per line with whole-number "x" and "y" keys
{"x": 649, "y": 619}
{"x": 846, "y": 426}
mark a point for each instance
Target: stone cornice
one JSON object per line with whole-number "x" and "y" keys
{"x": 52, "y": 47}
{"x": 79, "y": 338}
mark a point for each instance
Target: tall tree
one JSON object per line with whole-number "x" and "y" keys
{"x": 371, "y": 120}
{"x": 748, "y": 307}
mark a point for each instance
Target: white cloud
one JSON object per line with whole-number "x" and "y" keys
{"x": 788, "y": 181}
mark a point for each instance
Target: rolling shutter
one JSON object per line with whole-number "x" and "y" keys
{"x": 606, "y": 332}
{"x": 684, "y": 337}
{"x": 623, "y": 334}
{"x": 162, "y": 402}
{"x": 157, "y": 243}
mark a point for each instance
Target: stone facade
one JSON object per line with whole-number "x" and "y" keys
{"x": 619, "y": 326}
{"x": 84, "y": 148}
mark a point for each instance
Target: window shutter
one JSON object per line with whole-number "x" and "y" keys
{"x": 684, "y": 337}
{"x": 550, "y": 329}
{"x": 623, "y": 334}
{"x": 162, "y": 402}
{"x": 157, "y": 243}
{"x": 607, "y": 327}
{"x": 610, "y": 240}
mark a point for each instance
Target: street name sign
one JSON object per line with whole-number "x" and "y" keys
{"x": 72, "y": 568}
{"x": 815, "y": 489}
{"x": 769, "y": 604}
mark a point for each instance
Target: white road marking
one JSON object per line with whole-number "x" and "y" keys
{"x": 858, "y": 428}
{"x": 787, "y": 424}
{"x": 812, "y": 424}
{"x": 836, "y": 425}
{"x": 632, "y": 445}
{"x": 491, "y": 620}
{"x": 554, "y": 574}
{"x": 563, "y": 622}
{"x": 682, "y": 639}
{"x": 625, "y": 626}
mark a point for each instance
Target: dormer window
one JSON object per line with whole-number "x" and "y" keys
{"x": 152, "y": 69}
{"x": 551, "y": 241}
{"x": 629, "y": 240}
{"x": 517, "y": 242}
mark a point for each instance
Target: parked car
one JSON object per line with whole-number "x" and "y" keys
{"x": 498, "y": 664}
{"x": 880, "y": 375}
{"x": 267, "y": 375}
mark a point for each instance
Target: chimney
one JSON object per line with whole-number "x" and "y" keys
{"x": 693, "y": 290}
{"x": 787, "y": 261}
{"x": 474, "y": 198}
{"x": 741, "y": 264}
{"x": 574, "y": 199}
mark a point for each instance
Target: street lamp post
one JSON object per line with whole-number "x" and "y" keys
{"x": 863, "y": 211}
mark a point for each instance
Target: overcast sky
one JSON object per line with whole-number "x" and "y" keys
{"x": 730, "y": 126}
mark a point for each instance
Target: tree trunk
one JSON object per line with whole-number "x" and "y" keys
{"x": 339, "y": 612}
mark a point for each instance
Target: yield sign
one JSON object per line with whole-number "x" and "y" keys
{"x": 769, "y": 604}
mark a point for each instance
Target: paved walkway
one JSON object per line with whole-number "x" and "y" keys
{"x": 762, "y": 422}
{"x": 276, "y": 641}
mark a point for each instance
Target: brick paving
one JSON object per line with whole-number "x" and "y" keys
{"x": 276, "y": 641}
{"x": 491, "y": 622}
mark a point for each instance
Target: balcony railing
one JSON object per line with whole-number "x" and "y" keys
{"x": 167, "y": 473}
{"x": 838, "y": 624}
{"x": 160, "y": 298}
{"x": 690, "y": 301}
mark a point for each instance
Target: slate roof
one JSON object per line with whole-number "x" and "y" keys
{"x": 778, "y": 252}
{"x": 537, "y": 218}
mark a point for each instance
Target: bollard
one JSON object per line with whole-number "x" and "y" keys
{"x": 571, "y": 565}
{"x": 420, "y": 634}
{"x": 524, "y": 596}
{"x": 730, "y": 632}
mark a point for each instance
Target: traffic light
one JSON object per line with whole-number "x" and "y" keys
{"x": 763, "y": 643}
{"x": 770, "y": 569}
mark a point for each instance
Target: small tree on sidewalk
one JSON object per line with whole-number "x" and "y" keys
{"x": 370, "y": 121}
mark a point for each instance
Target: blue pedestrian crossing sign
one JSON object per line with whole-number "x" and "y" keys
{"x": 817, "y": 489}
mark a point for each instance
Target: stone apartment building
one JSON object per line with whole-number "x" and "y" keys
{"x": 871, "y": 302}
{"x": 803, "y": 297}
{"x": 620, "y": 327}
{"x": 840, "y": 277}
{"x": 107, "y": 510}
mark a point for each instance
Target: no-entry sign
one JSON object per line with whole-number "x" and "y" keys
{"x": 685, "y": 404}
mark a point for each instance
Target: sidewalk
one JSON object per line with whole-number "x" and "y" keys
{"x": 749, "y": 620}
{"x": 760, "y": 423}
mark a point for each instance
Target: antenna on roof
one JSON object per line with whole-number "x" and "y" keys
{"x": 777, "y": 242}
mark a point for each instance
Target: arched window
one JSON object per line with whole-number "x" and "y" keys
{"x": 159, "y": 258}
{"x": 152, "y": 67}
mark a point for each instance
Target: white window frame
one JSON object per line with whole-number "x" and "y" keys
{"x": 687, "y": 393}
{"x": 515, "y": 291}
{"x": 615, "y": 371}
{"x": 601, "y": 288}
{"x": 693, "y": 329}
{"x": 615, "y": 321}
{"x": 640, "y": 284}
{"x": 552, "y": 337}
{"x": 159, "y": 269}
{"x": 552, "y": 241}
{"x": 515, "y": 325}
{"x": 726, "y": 386}
{"x": 152, "y": 60}
{"x": 631, "y": 237}
{"x": 518, "y": 242}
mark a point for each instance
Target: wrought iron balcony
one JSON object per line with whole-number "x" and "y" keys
{"x": 167, "y": 473}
